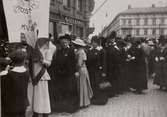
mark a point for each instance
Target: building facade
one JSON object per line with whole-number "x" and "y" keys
{"x": 150, "y": 22}
{"x": 70, "y": 16}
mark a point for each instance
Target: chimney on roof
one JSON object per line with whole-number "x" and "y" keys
{"x": 153, "y": 5}
{"x": 129, "y": 6}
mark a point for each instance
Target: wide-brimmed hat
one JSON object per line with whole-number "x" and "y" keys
{"x": 79, "y": 42}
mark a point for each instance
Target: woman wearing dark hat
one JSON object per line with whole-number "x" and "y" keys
{"x": 161, "y": 65}
{"x": 63, "y": 67}
{"x": 85, "y": 90}
{"x": 97, "y": 70}
{"x": 15, "y": 86}
{"x": 138, "y": 67}
{"x": 123, "y": 81}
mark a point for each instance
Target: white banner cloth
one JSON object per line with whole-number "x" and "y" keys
{"x": 27, "y": 19}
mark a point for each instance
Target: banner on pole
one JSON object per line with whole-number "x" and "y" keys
{"x": 27, "y": 19}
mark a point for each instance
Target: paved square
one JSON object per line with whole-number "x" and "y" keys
{"x": 151, "y": 104}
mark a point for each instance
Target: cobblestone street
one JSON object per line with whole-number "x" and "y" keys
{"x": 151, "y": 104}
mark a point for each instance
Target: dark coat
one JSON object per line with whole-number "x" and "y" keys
{"x": 14, "y": 92}
{"x": 96, "y": 65}
{"x": 114, "y": 62}
{"x": 151, "y": 61}
{"x": 64, "y": 83}
{"x": 138, "y": 69}
{"x": 161, "y": 68}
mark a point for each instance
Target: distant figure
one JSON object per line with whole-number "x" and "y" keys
{"x": 160, "y": 58}
{"x": 114, "y": 61}
{"x": 138, "y": 67}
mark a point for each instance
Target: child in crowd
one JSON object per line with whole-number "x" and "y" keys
{"x": 14, "y": 87}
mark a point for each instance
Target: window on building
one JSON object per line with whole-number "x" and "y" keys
{"x": 51, "y": 28}
{"x": 67, "y": 3}
{"x": 124, "y": 22}
{"x": 79, "y": 5}
{"x": 145, "y": 31}
{"x": 124, "y": 32}
{"x": 154, "y": 21}
{"x": 161, "y": 31}
{"x": 130, "y": 22}
{"x": 162, "y": 21}
{"x": 138, "y": 22}
{"x": 80, "y": 31}
{"x": 153, "y": 32}
{"x": 137, "y": 32}
{"x": 52, "y": 2}
{"x": 146, "y": 21}
{"x": 65, "y": 28}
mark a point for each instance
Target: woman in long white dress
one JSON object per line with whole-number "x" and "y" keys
{"x": 85, "y": 90}
{"x": 41, "y": 99}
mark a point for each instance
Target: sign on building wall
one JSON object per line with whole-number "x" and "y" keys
{"x": 27, "y": 19}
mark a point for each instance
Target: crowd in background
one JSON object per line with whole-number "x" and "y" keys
{"x": 69, "y": 74}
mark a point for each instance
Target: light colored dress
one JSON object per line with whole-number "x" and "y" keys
{"x": 85, "y": 89}
{"x": 41, "y": 99}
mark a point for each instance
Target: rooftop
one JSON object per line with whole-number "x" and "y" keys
{"x": 142, "y": 10}
{"x": 145, "y": 10}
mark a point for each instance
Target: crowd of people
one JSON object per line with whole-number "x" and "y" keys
{"x": 70, "y": 74}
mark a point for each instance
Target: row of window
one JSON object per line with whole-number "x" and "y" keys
{"x": 68, "y": 3}
{"x": 144, "y": 32}
{"x": 146, "y": 21}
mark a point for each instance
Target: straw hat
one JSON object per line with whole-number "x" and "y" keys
{"x": 79, "y": 42}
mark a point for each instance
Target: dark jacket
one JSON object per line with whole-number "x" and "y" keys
{"x": 114, "y": 62}
{"x": 64, "y": 63}
{"x": 14, "y": 92}
{"x": 138, "y": 68}
{"x": 96, "y": 62}
{"x": 161, "y": 68}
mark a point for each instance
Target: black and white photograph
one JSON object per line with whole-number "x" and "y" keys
{"x": 83, "y": 58}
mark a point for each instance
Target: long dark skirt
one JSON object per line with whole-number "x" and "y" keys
{"x": 161, "y": 74}
{"x": 139, "y": 77}
{"x": 99, "y": 95}
{"x": 63, "y": 95}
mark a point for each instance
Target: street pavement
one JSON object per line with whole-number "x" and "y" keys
{"x": 153, "y": 103}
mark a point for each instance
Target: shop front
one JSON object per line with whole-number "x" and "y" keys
{"x": 60, "y": 24}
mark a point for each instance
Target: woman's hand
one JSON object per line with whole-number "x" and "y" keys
{"x": 46, "y": 63}
{"x": 77, "y": 74}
